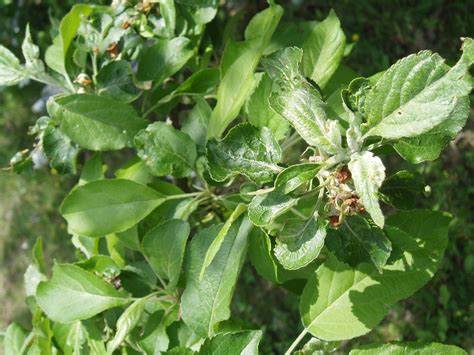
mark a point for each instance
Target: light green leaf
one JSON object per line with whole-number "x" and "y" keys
{"x": 418, "y": 93}
{"x": 258, "y": 111}
{"x": 368, "y": 173}
{"x": 95, "y": 122}
{"x": 14, "y": 338}
{"x": 201, "y": 11}
{"x": 407, "y": 348}
{"x": 206, "y": 301}
{"x": 196, "y": 122}
{"x": 115, "y": 80}
{"x": 102, "y": 207}
{"x": 340, "y": 302}
{"x": 295, "y": 176}
{"x": 164, "y": 248}
{"x": 265, "y": 208}
{"x": 245, "y": 150}
{"x": 11, "y": 72}
{"x": 243, "y": 342}
{"x": 102, "y": 264}
{"x": 165, "y": 150}
{"x": 323, "y": 50}
{"x": 168, "y": 11}
{"x": 135, "y": 170}
{"x": 300, "y": 242}
{"x": 56, "y": 54}
{"x": 31, "y": 53}
{"x": 73, "y": 294}
{"x": 429, "y": 145}
{"x": 297, "y": 101}
{"x": 238, "y": 66}
{"x": 126, "y": 322}
{"x": 358, "y": 241}
{"x": 401, "y": 189}
{"x": 164, "y": 59}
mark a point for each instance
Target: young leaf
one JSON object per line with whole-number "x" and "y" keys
{"x": 13, "y": 340}
{"x": 429, "y": 145}
{"x": 418, "y": 93}
{"x": 323, "y": 50}
{"x": 73, "y": 294}
{"x": 31, "y": 53}
{"x": 340, "y": 302}
{"x": 400, "y": 190}
{"x": 11, "y": 72}
{"x": 297, "y": 101}
{"x": 56, "y": 54}
{"x": 258, "y": 111}
{"x": 102, "y": 207}
{"x": 357, "y": 241}
{"x": 70, "y": 337}
{"x": 95, "y": 122}
{"x": 300, "y": 242}
{"x": 238, "y": 66}
{"x": 407, "y": 348}
{"x": 164, "y": 59}
{"x": 243, "y": 342}
{"x": 115, "y": 80}
{"x": 265, "y": 208}
{"x": 296, "y": 175}
{"x": 165, "y": 150}
{"x": 368, "y": 173}
{"x": 245, "y": 150}
{"x": 206, "y": 301}
{"x": 125, "y": 324}
{"x": 164, "y": 248}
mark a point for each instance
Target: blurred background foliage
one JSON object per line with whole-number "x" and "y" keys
{"x": 382, "y": 32}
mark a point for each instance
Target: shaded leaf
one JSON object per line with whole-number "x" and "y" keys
{"x": 116, "y": 81}
{"x": 265, "y": 208}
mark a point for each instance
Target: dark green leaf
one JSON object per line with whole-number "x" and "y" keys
{"x": 116, "y": 81}
{"x": 407, "y": 348}
{"x": 244, "y": 342}
{"x": 402, "y": 189}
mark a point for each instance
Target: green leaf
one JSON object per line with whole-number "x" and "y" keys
{"x": 429, "y": 145}
{"x": 93, "y": 169}
{"x": 401, "y": 189}
{"x": 168, "y": 11}
{"x": 135, "y": 170}
{"x": 101, "y": 264}
{"x": 11, "y": 72}
{"x": 340, "y": 302}
{"x": 300, "y": 242}
{"x": 238, "y": 66}
{"x": 196, "y": 122}
{"x": 95, "y": 122}
{"x": 265, "y": 208}
{"x": 297, "y": 101}
{"x": 245, "y": 150}
{"x": 73, "y": 294}
{"x": 357, "y": 241}
{"x": 56, "y": 54}
{"x": 164, "y": 59}
{"x": 164, "y": 248}
{"x": 155, "y": 337}
{"x": 201, "y": 11}
{"x": 407, "y": 348}
{"x": 31, "y": 53}
{"x": 59, "y": 149}
{"x": 14, "y": 338}
{"x": 418, "y": 93}
{"x": 295, "y": 176}
{"x": 258, "y": 111}
{"x": 70, "y": 337}
{"x": 206, "y": 301}
{"x": 126, "y": 322}
{"x": 35, "y": 273}
{"x": 115, "y": 80}
{"x": 243, "y": 342}
{"x": 219, "y": 239}
{"x": 102, "y": 207}
{"x": 323, "y": 50}
{"x": 368, "y": 173}
{"x": 165, "y": 150}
